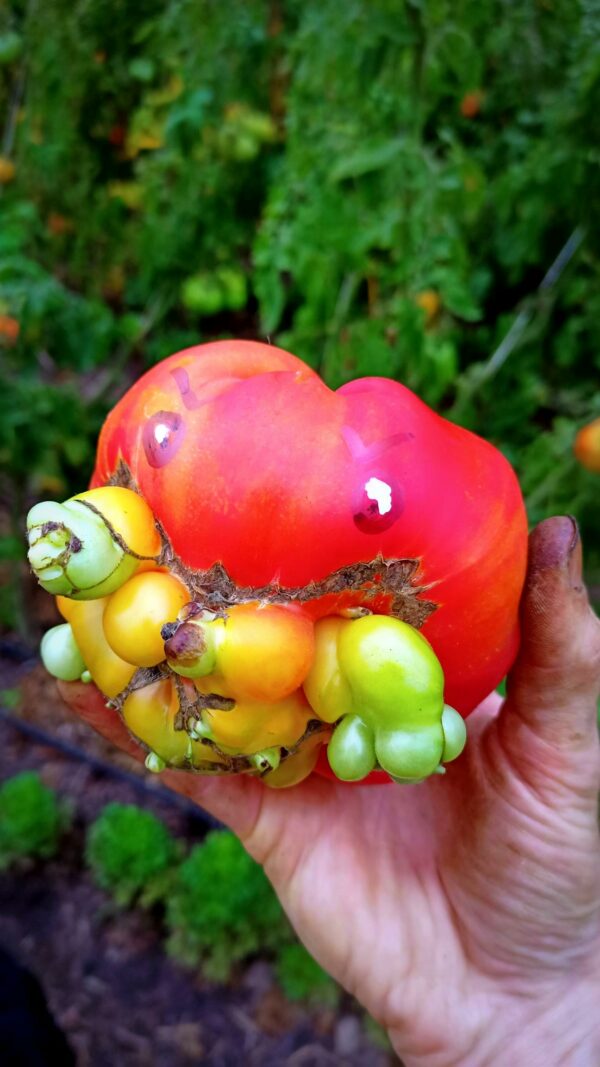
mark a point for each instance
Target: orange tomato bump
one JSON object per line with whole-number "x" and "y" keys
{"x": 258, "y": 652}
{"x": 136, "y": 613}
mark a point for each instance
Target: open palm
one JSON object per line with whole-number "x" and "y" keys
{"x": 464, "y": 913}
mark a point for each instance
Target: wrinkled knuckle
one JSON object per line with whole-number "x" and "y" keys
{"x": 255, "y": 836}
{"x": 590, "y": 650}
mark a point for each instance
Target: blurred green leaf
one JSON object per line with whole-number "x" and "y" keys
{"x": 370, "y": 158}
{"x": 379, "y": 187}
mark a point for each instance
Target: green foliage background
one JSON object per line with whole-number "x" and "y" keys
{"x": 379, "y": 186}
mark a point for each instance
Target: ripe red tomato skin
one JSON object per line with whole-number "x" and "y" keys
{"x": 267, "y": 473}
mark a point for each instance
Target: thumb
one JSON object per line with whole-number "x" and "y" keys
{"x": 553, "y": 688}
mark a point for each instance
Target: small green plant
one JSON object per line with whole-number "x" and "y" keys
{"x": 222, "y": 908}
{"x": 10, "y": 698}
{"x": 31, "y": 819}
{"x": 131, "y": 854}
{"x": 301, "y": 978}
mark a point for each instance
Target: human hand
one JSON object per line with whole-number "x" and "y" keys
{"x": 464, "y": 913}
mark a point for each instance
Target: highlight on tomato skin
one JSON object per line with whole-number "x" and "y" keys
{"x": 265, "y": 570}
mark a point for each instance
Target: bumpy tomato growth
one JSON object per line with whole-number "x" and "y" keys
{"x": 268, "y": 577}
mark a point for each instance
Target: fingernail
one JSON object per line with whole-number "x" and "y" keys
{"x": 575, "y": 559}
{"x": 555, "y": 543}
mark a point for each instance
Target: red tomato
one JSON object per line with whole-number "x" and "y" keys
{"x": 249, "y": 460}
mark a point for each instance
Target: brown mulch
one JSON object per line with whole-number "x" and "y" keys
{"x": 109, "y": 984}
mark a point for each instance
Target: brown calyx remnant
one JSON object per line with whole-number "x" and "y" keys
{"x": 192, "y": 703}
{"x": 236, "y": 764}
{"x": 184, "y": 643}
{"x": 215, "y": 591}
{"x": 243, "y": 764}
{"x": 74, "y": 544}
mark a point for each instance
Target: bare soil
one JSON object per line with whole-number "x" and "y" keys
{"x": 120, "y": 1000}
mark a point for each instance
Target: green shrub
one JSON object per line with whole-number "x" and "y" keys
{"x": 301, "y": 977}
{"x": 31, "y": 819}
{"x": 222, "y": 908}
{"x": 131, "y": 854}
{"x": 380, "y": 187}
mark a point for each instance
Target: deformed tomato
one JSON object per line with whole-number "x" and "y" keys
{"x": 266, "y": 569}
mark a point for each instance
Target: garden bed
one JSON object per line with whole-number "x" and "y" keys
{"x": 109, "y": 983}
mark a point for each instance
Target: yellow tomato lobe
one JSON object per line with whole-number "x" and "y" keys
{"x": 129, "y": 515}
{"x": 109, "y": 672}
{"x": 136, "y": 613}
{"x": 264, "y": 651}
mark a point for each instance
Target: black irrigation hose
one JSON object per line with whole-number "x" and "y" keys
{"x": 157, "y": 792}
{"x": 16, "y": 651}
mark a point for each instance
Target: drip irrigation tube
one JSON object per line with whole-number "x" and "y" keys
{"x": 157, "y": 792}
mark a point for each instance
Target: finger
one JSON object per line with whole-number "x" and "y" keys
{"x": 554, "y": 686}
{"x": 89, "y": 704}
{"x": 235, "y": 800}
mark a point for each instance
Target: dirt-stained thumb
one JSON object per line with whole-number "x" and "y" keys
{"x": 554, "y": 686}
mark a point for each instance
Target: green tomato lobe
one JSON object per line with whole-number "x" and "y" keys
{"x": 382, "y": 682}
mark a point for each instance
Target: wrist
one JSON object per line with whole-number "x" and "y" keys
{"x": 560, "y": 1029}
